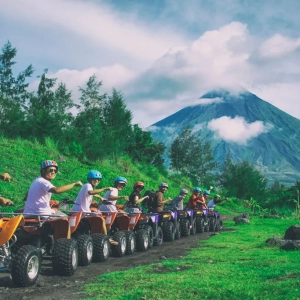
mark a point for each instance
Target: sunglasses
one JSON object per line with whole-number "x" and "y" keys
{"x": 52, "y": 171}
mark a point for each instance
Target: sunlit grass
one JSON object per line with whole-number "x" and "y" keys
{"x": 232, "y": 265}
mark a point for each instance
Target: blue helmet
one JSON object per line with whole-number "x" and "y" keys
{"x": 163, "y": 184}
{"x": 206, "y": 193}
{"x": 94, "y": 174}
{"x": 121, "y": 179}
{"x": 183, "y": 192}
{"x": 49, "y": 163}
{"x": 197, "y": 189}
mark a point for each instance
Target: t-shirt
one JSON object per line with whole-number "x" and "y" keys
{"x": 84, "y": 199}
{"x": 38, "y": 198}
{"x": 132, "y": 197}
{"x": 111, "y": 206}
{"x": 211, "y": 203}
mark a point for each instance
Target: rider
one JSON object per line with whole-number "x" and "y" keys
{"x": 206, "y": 194}
{"x": 159, "y": 200}
{"x": 135, "y": 197}
{"x": 196, "y": 200}
{"x": 111, "y": 196}
{"x": 214, "y": 201}
{"x": 177, "y": 202}
{"x": 41, "y": 189}
{"x": 86, "y": 193}
{"x": 5, "y": 201}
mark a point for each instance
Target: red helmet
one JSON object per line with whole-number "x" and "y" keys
{"x": 139, "y": 184}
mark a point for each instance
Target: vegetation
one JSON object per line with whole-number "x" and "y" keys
{"x": 233, "y": 265}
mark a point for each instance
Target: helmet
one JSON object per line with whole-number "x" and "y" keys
{"x": 49, "y": 163}
{"x": 206, "y": 193}
{"x": 163, "y": 184}
{"x": 139, "y": 183}
{"x": 121, "y": 179}
{"x": 94, "y": 174}
{"x": 197, "y": 189}
{"x": 184, "y": 191}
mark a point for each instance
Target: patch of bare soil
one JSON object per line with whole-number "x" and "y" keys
{"x": 50, "y": 286}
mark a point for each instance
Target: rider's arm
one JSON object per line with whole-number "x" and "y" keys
{"x": 138, "y": 201}
{"x": 64, "y": 188}
{"x": 94, "y": 192}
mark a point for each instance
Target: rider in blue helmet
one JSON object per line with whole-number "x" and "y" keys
{"x": 177, "y": 202}
{"x": 111, "y": 196}
{"x": 87, "y": 192}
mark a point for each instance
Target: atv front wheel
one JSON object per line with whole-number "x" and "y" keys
{"x": 150, "y": 235}
{"x": 158, "y": 240}
{"x": 26, "y": 266}
{"x": 65, "y": 257}
{"x": 169, "y": 231}
{"x": 185, "y": 227}
{"x": 85, "y": 249}
{"x": 199, "y": 225}
{"x": 193, "y": 226}
{"x": 142, "y": 240}
{"x": 130, "y": 242}
{"x": 178, "y": 231}
{"x": 101, "y": 247}
{"x": 119, "y": 250}
{"x": 212, "y": 225}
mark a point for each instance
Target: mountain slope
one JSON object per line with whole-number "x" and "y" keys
{"x": 244, "y": 126}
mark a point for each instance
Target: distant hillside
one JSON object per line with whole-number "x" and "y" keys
{"x": 244, "y": 126}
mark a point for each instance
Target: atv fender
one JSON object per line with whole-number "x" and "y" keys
{"x": 8, "y": 228}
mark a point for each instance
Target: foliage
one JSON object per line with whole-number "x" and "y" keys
{"x": 242, "y": 180}
{"x": 190, "y": 157}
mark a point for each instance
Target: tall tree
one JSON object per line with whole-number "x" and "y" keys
{"x": 13, "y": 93}
{"x": 190, "y": 156}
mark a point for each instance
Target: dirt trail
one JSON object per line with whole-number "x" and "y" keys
{"x": 50, "y": 287}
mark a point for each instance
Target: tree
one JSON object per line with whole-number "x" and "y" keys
{"x": 242, "y": 180}
{"x": 13, "y": 93}
{"x": 143, "y": 148}
{"x": 190, "y": 156}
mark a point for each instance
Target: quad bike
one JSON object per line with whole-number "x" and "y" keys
{"x": 169, "y": 224}
{"x": 186, "y": 223}
{"x": 89, "y": 230}
{"x": 24, "y": 262}
{"x": 52, "y": 237}
{"x": 150, "y": 223}
{"x": 215, "y": 222}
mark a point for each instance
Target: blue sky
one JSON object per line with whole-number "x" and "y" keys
{"x": 162, "y": 54}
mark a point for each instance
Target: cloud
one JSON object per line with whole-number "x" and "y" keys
{"x": 278, "y": 45}
{"x": 207, "y": 101}
{"x": 237, "y": 130}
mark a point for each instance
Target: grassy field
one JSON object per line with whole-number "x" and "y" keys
{"x": 231, "y": 265}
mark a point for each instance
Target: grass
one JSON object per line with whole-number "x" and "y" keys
{"x": 232, "y": 265}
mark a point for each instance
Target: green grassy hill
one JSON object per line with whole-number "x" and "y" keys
{"x": 22, "y": 158}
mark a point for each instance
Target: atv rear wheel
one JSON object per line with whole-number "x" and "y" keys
{"x": 85, "y": 249}
{"x": 218, "y": 224}
{"x": 199, "y": 225}
{"x": 119, "y": 250}
{"x": 26, "y": 266}
{"x": 185, "y": 227}
{"x": 101, "y": 247}
{"x": 142, "y": 240}
{"x": 158, "y": 240}
{"x": 130, "y": 242}
{"x": 65, "y": 257}
{"x": 169, "y": 231}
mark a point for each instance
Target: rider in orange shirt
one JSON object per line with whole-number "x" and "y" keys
{"x": 196, "y": 200}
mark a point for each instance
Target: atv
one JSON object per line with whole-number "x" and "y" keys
{"x": 168, "y": 222}
{"x": 215, "y": 222}
{"x": 186, "y": 223}
{"x": 23, "y": 262}
{"x": 150, "y": 223}
{"x": 89, "y": 230}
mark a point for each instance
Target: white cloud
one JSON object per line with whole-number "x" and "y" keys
{"x": 197, "y": 127}
{"x": 207, "y": 101}
{"x": 278, "y": 45}
{"x": 237, "y": 130}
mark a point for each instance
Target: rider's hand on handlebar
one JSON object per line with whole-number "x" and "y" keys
{"x": 78, "y": 183}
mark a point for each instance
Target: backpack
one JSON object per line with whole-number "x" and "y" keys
{"x": 148, "y": 203}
